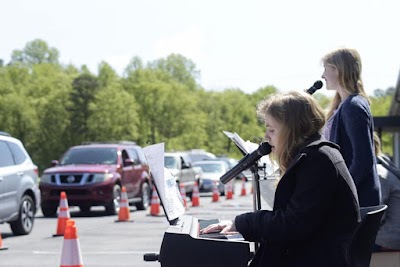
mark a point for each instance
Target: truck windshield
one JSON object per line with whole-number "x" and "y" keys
{"x": 90, "y": 156}
{"x": 170, "y": 162}
{"x": 210, "y": 167}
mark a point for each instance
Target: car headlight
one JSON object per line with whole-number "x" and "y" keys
{"x": 101, "y": 177}
{"x": 46, "y": 178}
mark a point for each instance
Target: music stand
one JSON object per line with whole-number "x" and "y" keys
{"x": 239, "y": 142}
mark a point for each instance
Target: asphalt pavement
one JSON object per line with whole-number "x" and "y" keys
{"x": 104, "y": 242}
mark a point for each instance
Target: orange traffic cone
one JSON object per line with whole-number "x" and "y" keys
{"x": 243, "y": 192}
{"x": 124, "y": 213}
{"x": 1, "y": 244}
{"x": 215, "y": 196}
{"x": 71, "y": 251}
{"x": 195, "y": 195}
{"x": 229, "y": 193}
{"x": 63, "y": 214}
{"x": 155, "y": 203}
{"x": 183, "y": 194}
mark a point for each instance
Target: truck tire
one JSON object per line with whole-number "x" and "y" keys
{"x": 145, "y": 201}
{"x": 113, "y": 207}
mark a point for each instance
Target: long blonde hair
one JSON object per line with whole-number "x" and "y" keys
{"x": 377, "y": 145}
{"x": 300, "y": 116}
{"x": 347, "y": 61}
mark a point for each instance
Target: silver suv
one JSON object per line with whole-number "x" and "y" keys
{"x": 180, "y": 166}
{"x": 19, "y": 191}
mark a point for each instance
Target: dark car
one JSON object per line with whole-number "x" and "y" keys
{"x": 93, "y": 174}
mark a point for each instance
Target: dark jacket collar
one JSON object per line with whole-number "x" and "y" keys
{"x": 316, "y": 140}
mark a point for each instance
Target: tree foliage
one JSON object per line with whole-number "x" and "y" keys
{"x": 50, "y": 106}
{"x": 35, "y": 52}
{"x": 380, "y": 106}
{"x": 84, "y": 89}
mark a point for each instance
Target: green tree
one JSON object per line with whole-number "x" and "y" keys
{"x": 84, "y": 89}
{"x": 113, "y": 111}
{"x": 161, "y": 115}
{"x": 18, "y": 115}
{"x": 135, "y": 64}
{"x": 35, "y": 52}
{"x": 107, "y": 75}
{"x": 255, "y": 98}
{"x": 380, "y": 106}
{"x": 262, "y": 93}
{"x": 113, "y": 116}
{"x": 323, "y": 100}
{"x": 49, "y": 90}
{"x": 183, "y": 70}
{"x": 53, "y": 133}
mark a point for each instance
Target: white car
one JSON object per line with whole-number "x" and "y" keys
{"x": 180, "y": 166}
{"x": 19, "y": 191}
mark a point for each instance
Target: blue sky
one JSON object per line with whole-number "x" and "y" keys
{"x": 235, "y": 44}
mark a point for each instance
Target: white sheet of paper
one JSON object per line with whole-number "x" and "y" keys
{"x": 165, "y": 182}
{"x": 238, "y": 141}
{"x": 268, "y": 184}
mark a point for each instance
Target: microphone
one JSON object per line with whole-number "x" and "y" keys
{"x": 246, "y": 162}
{"x": 317, "y": 85}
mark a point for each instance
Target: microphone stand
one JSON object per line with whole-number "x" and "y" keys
{"x": 256, "y": 190}
{"x": 256, "y": 194}
{"x": 256, "y": 187}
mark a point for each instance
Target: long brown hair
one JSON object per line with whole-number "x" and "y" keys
{"x": 347, "y": 61}
{"x": 301, "y": 117}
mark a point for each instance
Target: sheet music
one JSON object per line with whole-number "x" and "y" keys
{"x": 268, "y": 184}
{"x": 245, "y": 146}
{"x": 165, "y": 182}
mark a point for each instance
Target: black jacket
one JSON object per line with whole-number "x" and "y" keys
{"x": 315, "y": 212}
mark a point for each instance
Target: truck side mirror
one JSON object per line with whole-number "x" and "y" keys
{"x": 54, "y": 163}
{"x": 186, "y": 165}
{"x": 128, "y": 162}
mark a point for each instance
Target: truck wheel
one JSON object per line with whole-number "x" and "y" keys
{"x": 190, "y": 194}
{"x": 26, "y": 216}
{"x": 84, "y": 208}
{"x": 49, "y": 210}
{"x": 113, "y": 207}
{"x": 145, "y": 201}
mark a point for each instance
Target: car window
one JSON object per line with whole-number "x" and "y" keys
{"x": 133, "y": 155}
{"x": 186, "y": 158}
{"x": 6, "y": 158}
{"x": 18, "y": 153}
{"x": 141, "y": 155}
{"x": 98, "y": 155}
{"x": 170, "y": 162}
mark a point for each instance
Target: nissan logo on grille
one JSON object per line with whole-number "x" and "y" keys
{"x": 71, "y": 179}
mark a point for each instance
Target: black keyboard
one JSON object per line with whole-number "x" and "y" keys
{"x": 215, "y": 235}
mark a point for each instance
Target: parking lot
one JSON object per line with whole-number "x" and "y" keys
{"x": 104, "y": 242}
